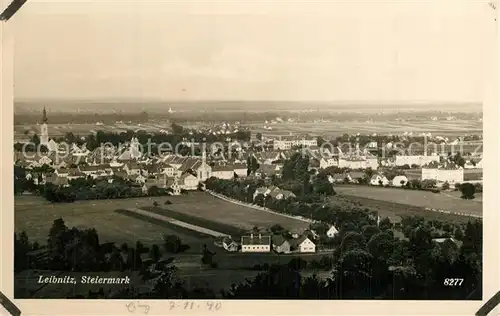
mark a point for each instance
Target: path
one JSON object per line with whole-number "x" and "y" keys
{"x": 177, "y": 222}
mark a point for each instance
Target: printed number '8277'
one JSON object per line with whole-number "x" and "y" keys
{"x": 453, "y": 282}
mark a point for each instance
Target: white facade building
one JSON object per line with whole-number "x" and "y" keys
{"x": 255, "y": 243}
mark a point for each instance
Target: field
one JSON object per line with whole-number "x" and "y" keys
{"x": 205, "y": 206}
{"x": 35, "y": 216}
{"x": 332, "y": 129}
{"x": 326, "y": 129}
{"x": 396, "y": 202}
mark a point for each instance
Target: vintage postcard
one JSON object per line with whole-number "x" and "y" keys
{"x": 249, "y": 157}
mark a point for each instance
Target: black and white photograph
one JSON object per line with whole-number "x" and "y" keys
{"x": 211, "y": 150}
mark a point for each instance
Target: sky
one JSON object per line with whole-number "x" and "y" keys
{"x": 252, "y": 50}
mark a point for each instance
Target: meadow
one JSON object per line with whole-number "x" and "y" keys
{"x": 205, "y": 206}
{"x": 394, "y": 202}
{"x": 35, "y": 216}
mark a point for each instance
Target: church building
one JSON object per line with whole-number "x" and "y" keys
{"x": 44, "y": 134}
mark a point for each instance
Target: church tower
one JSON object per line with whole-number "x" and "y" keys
{"x": 44, "y": 129}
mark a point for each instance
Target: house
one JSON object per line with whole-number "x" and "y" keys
{"x": 267, "y": 157}
{"x": 261, "y": 190}
{"x": 379, "y": 179}
{"x": 223, "y": 172}
{"x": 418, "y": 160}
{"x": 172, "y": 183}
{"x": 447, "y": 172}
{"x": 256, "y": 243}
{"x": 137, "y": 178}
{"x": 328, "y": 162}
{"x": 280, "y": 244}
{"x": 229, "y": 245}
{"x": 61, "y": 172}
{"x": 339, "y": 178}
{"x": 268, "y": 170}
{"x": 240, "y": 169}
{"x": 303, "y": 244}
{"x": 132, "y": 168}
{"x": 188, "y": 182}
{"x": 287, "y": 142}
{"x": 279, "y": 194}
{"x": 332, "y": 232}
{"x": 399, "y": 181}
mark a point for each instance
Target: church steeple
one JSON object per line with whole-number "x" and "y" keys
{"x": 44, "y": 115}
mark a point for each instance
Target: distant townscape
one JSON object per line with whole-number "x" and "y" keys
{"x": 401, "y": 209}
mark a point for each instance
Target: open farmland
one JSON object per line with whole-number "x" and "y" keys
{"x": 337, "y": 128}
{"x": 396, "y": 202}
{"x": 205, "y": 206}
{"x": 35, "y": 216}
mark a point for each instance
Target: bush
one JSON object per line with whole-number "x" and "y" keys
{"x": 168, "y": 202}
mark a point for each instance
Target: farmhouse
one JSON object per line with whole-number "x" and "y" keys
{"x": 255, "y": 243}
{"x": 280, "y": 244}
{"x": 303, "y": 244}
{"x": 399, "y": 181}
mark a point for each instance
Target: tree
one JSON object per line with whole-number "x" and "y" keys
{"x": 259, "y": 199}
{"x": 258, "y": 136}
{"x": 385, "y": 224}
{"x": 172, "y": 243}
{"x": 468, "y": 190}
{"x": 277, "y": 229}
{"x": 154, "y": 253}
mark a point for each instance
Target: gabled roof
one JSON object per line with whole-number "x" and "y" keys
{"x": 263, "y": 240}
{"x": 216, "y": 168}
{"x": 297, "y": 242}
{"x": 278, "y": 240}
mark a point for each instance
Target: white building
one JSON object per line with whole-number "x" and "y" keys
{"x": 376, "y": 179}
{"x": 188, "y": 182}
{"x": 399, "y": 181}
{"x": 328, "y": 162}
{"x": 223, "y": 172}
{"x": 419, "y": 160}
{"x": 332, "y": 232}
{"x": 447, "y": 172}
{"x": 288, "y": 142}
{"x": 255, "y": 243}
{"x": 304, "y": 244}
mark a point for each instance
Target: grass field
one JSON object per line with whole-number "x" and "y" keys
{"x": 235, "y": 232}
{"x": 35, "y": 216}
{"x": 394, "y": 202}
{"x": 205, "y": 206}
